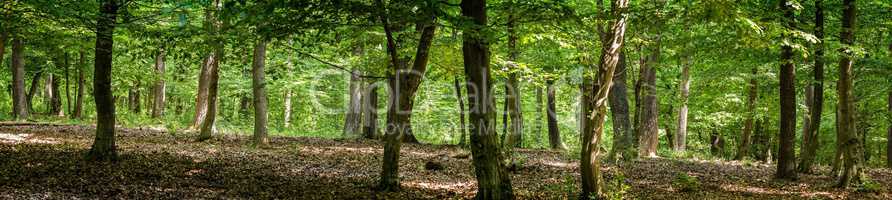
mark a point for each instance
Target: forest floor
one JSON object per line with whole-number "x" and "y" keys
{"x": 45, "y": 162}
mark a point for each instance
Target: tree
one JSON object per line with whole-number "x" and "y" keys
{"x": 404, "y": 82}
{"x": 611, "y": 48}
{"x": 512, "y": 94}
{"x": 212, "y": 63}
{"x": 889, "y": 132}
{"x": 746, "y": 141}
{"x": 259, "y": 87}
{"x": 353, "y": 118}
{"x": 370, "y": 111}
{"x": 815, "y": 101}
{"x": 786, "y": 156}
{"x": 79, "y": 102}
{"x": 680, "y": 142}
{"x": 103, "y": 148}
{"x": 461, "y": 112}
{"x": 20, "y": 103}
{"x": 851, "y": 145}
{"x": 623, "y": 137}
{"x": 554, "y": 133}
{"x": 160, "y": 87}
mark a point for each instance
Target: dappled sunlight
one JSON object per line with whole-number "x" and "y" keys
{"x": 9, "y": 138}
{"x": 432, "y": 185}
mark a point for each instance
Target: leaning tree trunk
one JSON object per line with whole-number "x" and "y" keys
{"x": 104, "y": 144}
{"x": 590, "y": 165}
{"x": 493, "y": 180}
{"x": 79, "y": 97}
{"x": 746, "y": 140}
{"x": 208, "y": 71}
{"x": 403, "y": 84}
{"x": 160, "y": 86}
{"x": 851, "y": 142}
{"x": 648, "y": 131}
{"x": 619, "y": 110}
{"x": 35, "y": 84}
{"x": 20, "y": 102}
{"x": 786, "y": 157}
{"x": 214, "y": 26}
{"x": 259, "y": 88}
{"x": 554, "y": 133}
{"x": 461, "y": 112}
{"x": 810, "y": 146}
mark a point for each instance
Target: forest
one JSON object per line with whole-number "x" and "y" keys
{"x": 446, "y": 99}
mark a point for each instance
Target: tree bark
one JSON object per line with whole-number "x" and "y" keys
{"x": 786, "y": 157}
{"x": 540, "y": 114}
{"x": 513, "y": 93}
{"x": 649, "y": 131}
{"x": 493, "y": 180}
{"x": 619, "y": 110}
{"x": 214, "y": 26}
{"x": 79, "y": 102}
{"x": 743, "y": 148}
{"x": 370, "y": 124}
{"x": 554, "y": 133}
{"x": 103, "y": 148}
{"x": 851, "y": 141}
{"x": 461, "y": 112}
{"x": 55, "y": 95}
{"x": 160, "y": 86}
{"x": 207, "y": 69}
{"x": 288, "y": 93}
{"x": 35, "y": 84}
{"x": 590, "y": 166}
{"x": 404, "y": 83}
{"x": 353, "y": 117}
{"x": 259, "y": 88}
{"x": 812, "y": 142}
{"x": 889, "y": 133}
{"x": 67, "y": 85}
{"x": 680, "y": 140}
{"x": 20, "y": 103}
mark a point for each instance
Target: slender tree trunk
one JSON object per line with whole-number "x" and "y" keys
{"x": 370, "y": 124}
{"x": 680, "y": 142}
{"x": 259, "y": 88}
{"x": 35, "y": 84}
{"x": 214, "y": 25}
{"x": 353, "y": 117}
{"x": 403, "y": 84}
{"x": 540, "y": 113}
{"x": 202, "y": 99}
{"x": 79, "y": 104}
{"x": 55, "y": 96}
{"x": 590, "y": 165}
{"x": 619, "y": 110}
{"x": 67, "y": 86}
{"x": 21, "y": 103}
{"x": 810, "y": 146}
{"x": 461, "y": 112}
{"x": 104, "y": 144}
{"x": 852, "y": 147}
{"x": 513, "y": 93}
{"x": 554, "y": 133}
{"x": 786, "y": 160}
{"x": 288, "y": 93}
{"x": 743, "y": 148}
{"x": 134, "y": 97}
{"x": 493, "y": 180}
{"x": 649, "y": 130}
{"x": 160, "y": 86}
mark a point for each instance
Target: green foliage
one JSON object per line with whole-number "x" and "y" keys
{"x": 685, "y": 183}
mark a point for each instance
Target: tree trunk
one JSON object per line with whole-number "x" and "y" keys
{"x": 21, "y": 103}
{"x": 649, "y": 131}
{"x": 590, "y": 165}
{"x": 513, "y": 93}
{"x": 743, "y": 148}
{"x": 680, "y": 142}
{"x": 889, "y": 133}
{"x": 214, "y": 25}
{"x": 403, "y": 85}
{"x": 160, "y": 87}
{"x": 259, "y": 88}
{"x": 619, "y": 110}
{"x": 288, "y": 93}
{"x": 461, "y": 112}
{"x": 539, "y": 115}
{"x": 810, "y": 146}
{"x": 493, "y": 180}
{"x": 370, "y": 124}
{"x": 134, "y": 98}
{"x": 35, "y": 84}
{"x": 79, "y": 104}
{"x": 207, "y": 70}
{"x": 353, "y": 117}
{"x": 554, "y": 133}
{"x": 67, "y": 86}
{"x": 851, "y": 142}
{"x": 55, "y": 96}
{"x": 104, "y": 144}
{"x": 786, "y": 156}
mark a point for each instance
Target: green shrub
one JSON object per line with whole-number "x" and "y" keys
{"x": 686, "y": 183}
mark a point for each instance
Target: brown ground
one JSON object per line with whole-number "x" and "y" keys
{"x": 45, "y": 162}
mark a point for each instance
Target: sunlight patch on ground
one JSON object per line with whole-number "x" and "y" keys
{"x": 558, "y": 164}
{"x": 453, "y": 186}
{"x": 9, "y": 138}
{"x": 751, "y": 189}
